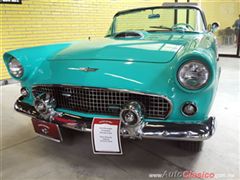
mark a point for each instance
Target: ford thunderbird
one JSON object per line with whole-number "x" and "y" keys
{"x": 156, "y": 71}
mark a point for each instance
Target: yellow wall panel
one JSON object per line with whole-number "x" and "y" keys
{"x": 37, "y": 22}
{"x": 225, "y": 12}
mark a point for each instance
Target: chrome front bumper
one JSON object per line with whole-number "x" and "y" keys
{"x": 157, "y": 130}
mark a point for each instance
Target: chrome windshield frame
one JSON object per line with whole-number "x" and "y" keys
{"x": 112, "y": 28}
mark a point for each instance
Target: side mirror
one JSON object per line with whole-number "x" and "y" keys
{"x": 214, "y": 27}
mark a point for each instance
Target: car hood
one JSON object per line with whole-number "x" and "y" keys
{"x": 158, "y": 49}
{"x": 141, "y": 77}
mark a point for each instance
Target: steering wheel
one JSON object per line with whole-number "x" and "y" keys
{"x": 183, "y": 26}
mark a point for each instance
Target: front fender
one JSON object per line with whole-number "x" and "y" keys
{"x": 31, "y": 58}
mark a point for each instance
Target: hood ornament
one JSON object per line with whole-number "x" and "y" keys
{"x": 84, "y": 69}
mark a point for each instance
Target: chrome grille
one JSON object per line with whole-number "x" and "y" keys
{"x": 104, "y": 101}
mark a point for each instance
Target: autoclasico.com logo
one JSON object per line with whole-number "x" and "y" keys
{"x": 190, "y": 175}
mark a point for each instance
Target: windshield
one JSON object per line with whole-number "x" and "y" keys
{"x": 159, "y": 19}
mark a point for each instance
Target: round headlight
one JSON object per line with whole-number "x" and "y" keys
{"x": 15, "y": 68}
{"x": 193, "y": 75}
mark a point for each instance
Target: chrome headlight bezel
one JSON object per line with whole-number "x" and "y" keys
{"x": 196, "y": 78}
{"x": 15, "y": 68}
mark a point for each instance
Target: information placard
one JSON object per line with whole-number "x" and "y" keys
{"x": 106, "y": 136}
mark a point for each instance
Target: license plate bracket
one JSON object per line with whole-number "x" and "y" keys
{"x": 47, "y": 130}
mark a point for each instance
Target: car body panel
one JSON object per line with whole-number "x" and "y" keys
{"x": 147, "y": 70}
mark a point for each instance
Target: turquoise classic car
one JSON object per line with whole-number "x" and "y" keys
{"x": 156, "y": 70}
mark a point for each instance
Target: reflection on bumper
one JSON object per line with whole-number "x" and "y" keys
{"x": 157, "y": 130}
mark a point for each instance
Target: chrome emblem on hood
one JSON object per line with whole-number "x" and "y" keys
{"x": 87, "y": 69}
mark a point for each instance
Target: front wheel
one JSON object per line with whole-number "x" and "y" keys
{"x": 191, "y": 146}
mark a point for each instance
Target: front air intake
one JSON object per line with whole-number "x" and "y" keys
{"x": 101, "y": 101}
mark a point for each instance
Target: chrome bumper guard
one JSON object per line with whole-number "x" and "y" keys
{"x": 155, "y": 130}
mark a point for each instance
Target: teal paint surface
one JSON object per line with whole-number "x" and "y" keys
{"x": 146, "y": 65}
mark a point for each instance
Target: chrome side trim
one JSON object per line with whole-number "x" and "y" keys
{"x": 84, "y": 69}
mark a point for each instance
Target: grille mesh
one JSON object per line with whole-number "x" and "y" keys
{"x": 103, "y": 101}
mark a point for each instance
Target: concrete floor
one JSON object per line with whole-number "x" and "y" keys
{"x": 27, "y": 156}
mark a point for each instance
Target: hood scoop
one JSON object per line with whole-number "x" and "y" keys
{"x": 129, "y": 35}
